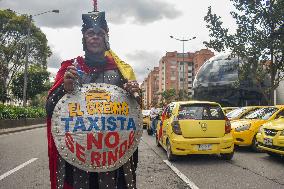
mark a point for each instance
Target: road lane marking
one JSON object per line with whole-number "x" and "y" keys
{"x": 173, "y": 168}
{"x": 17, "y": 168}
{"x": 181, "y": 175}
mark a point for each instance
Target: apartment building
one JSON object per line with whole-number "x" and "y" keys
{"x": 176, "y": 71}
{"x": 143, "y": 87}
{"x": 200, "y": 57}
{"x": 150, "y": 89}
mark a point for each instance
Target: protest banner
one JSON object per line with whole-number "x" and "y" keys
{"x": 98, "y": 128}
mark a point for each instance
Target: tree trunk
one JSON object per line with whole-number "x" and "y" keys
{"x": 272, "y": 75}
{"x": 3, "y": 83}
{"x": 272, "y": 86}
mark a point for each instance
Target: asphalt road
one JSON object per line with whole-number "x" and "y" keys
{"x": 18, "y": 148}
{"x": 31, "y": 146}
{"x": 246, "y": 170}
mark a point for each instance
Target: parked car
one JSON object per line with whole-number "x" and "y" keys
{"x": 241, "y": 112}
{"x": 146, "y": 118}
{"x": 245, "y": 130}
{"x": 195, "y": 127}
{"x": 270, "y": 137}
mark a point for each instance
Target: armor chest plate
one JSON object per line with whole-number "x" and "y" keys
{"x": 112, "y": 77}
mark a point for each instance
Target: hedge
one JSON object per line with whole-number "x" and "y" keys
{"x": 18, "y": 112}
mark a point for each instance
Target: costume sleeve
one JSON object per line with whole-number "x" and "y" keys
{"x": 60, "y": 74}
{"x": 53, "y": 98}
{"x": 57, "y": 90}
{"x": 55, "y": 94}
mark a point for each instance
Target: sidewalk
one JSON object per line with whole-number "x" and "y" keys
{"x": 18, "y": 129}
{"x": 153, "y": 173}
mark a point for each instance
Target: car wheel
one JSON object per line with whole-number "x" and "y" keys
{"x": 254, "y": 145}
{"x": 227, "y": 156}
{"x": 272, "y": 154}
{"x": 170, "y": 155}
{"x": 157, "y": 141}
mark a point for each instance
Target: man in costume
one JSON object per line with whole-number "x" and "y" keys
{"x": 100, "y": 65}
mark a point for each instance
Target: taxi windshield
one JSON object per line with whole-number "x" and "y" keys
{"x": 200, "y": 112}
{"x": 146, "y": 112}
{"x": 236, "y": 113}
{"x": 263, "y": 113}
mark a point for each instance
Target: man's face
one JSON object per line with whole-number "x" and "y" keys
{"x": 94, "y": 39}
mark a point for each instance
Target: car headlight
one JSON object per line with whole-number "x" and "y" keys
{"x": 282, "y": 133}
{"x": 243, "y": 127}
{"x": 260, "y": 130}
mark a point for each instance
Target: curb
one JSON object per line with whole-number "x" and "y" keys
{"x": 19, "y": 129}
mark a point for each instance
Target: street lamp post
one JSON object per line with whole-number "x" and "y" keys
{"x": 183, "y": 77}
{"x": 27, "y": 55}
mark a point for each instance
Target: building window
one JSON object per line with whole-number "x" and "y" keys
{"x": 173, "y": 78}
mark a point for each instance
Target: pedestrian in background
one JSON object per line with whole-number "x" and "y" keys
{"x": 154, "y": 115}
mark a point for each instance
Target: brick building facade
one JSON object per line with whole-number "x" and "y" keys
{"x": 150, "y": 88}
{"x": 175, "y": 71}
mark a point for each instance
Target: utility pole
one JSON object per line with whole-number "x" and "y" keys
{"x": 183, "y": 75}
{"x": 27, "y": 54}
{"x": 27, "y": 62}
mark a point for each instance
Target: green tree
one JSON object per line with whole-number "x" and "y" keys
{"x": 168, "y": 95}
{"x": 39, "y": 100}
{"x": 38, "y": 83}
{"x": 258, "y": 40}
{"x": 183, "y": 95}
{"x": 13, "y": 37}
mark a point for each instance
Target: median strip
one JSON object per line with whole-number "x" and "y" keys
{"x": 17, "y": 168}
{"x": 20, "y": 129}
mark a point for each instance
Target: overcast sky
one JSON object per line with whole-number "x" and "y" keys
{"x": 139, "y": 29}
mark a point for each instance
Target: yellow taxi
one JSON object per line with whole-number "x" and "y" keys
{"x": 270, "y": 137}
{"x": 240, "y": 113}
{"x": 195, "y": 127}
{"x": 146, "y": 118}
{"x": 228, "y": 109}
{"x": 245, "y": 130}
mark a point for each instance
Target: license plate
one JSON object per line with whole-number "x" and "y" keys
{"x": 202, "y": 147}
{"x": 267, "y": 141}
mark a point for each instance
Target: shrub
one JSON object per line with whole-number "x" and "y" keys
{"x": 17, "y": 112}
